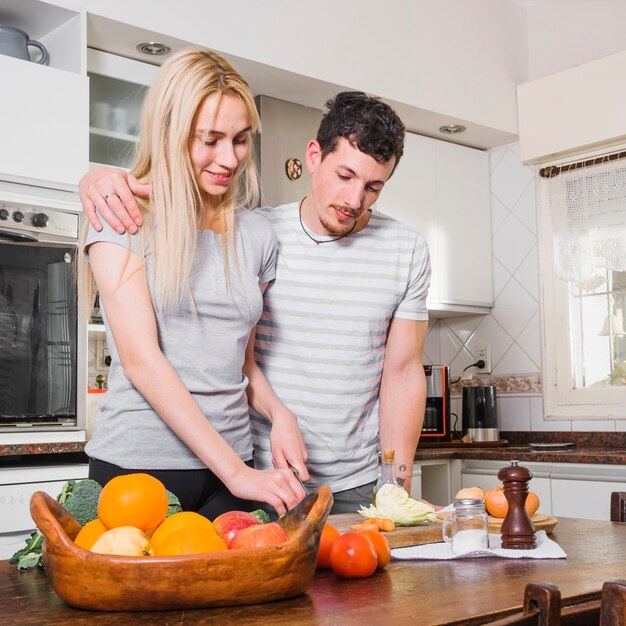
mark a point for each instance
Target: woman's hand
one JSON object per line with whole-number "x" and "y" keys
{"x": 279, "y": 488}
{"x": 287, "y": 445}
{"x": 109, "y": 192}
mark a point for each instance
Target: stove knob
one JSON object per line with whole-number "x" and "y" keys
{"x": 40, "y": 220}
{"x": 18, "y": 216}
{"x": 4, "y": 214}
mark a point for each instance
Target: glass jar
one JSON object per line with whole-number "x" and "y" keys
{"x": 467, "y": 527}
{"x": 387, "y": 472}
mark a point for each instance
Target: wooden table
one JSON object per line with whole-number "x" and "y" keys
{"x": 470, "y": 591}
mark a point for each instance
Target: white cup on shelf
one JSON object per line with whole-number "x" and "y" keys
{"x": 119, "y": 120}
{"x": 101, "y": 115}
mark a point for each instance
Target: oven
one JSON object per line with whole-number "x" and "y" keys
{"x": 42, "y": 344}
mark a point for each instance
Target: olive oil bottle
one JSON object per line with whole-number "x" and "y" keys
{"x": 387, "y": 472}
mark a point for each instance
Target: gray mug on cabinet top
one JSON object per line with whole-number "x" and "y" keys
{"x": 14, "y": 43}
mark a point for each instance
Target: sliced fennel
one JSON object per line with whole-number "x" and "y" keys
{"x": 394, "y": 503}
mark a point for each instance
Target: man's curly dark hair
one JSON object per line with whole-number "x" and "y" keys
{"x": 366, "y": 122}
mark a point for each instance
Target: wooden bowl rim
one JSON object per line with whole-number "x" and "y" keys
{"x": 46, "y": 512}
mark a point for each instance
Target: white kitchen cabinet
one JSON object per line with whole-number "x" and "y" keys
{"x": 117, "y": 89}
{"x": 431, "y": 480}
{"x": 553, "y": 111}
{"x": 442, "y": 190}
{"x": 416, "y": 481}
{"x": 44, "y": 109}
{"x": 17, "y": 485}
{"x": 584, "y": 490}
{"x": 578, "y": 490}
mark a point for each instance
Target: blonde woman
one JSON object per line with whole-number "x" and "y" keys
{"x": 181, "y": 298}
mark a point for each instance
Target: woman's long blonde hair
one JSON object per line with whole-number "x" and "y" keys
{"x": 172, "y": 212}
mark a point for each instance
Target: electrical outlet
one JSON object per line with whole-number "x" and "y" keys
{"x": 483, "y": 352}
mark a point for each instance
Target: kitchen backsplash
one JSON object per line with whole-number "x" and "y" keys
{"x": 512, "y": 329}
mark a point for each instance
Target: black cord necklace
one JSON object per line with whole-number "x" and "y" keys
{"x": 318, "y": 241}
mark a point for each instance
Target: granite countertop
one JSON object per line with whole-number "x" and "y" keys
{"x": 20, "y": 449}
{"x": 610, "y": 456}
{"x": 606, "y": 448}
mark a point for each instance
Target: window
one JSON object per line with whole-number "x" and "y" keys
{"x": 582, "y": 242}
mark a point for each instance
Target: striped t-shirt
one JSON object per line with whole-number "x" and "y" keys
{"x": 321, "y": 338}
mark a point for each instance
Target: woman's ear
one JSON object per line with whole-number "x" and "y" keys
{"x": 313, "y": 155}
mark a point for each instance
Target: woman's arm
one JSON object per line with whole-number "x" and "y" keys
{"x": 124, "y": 294}
{"x": 287, "y": 444}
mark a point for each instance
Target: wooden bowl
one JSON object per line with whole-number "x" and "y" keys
{"x": 103, "y": 582}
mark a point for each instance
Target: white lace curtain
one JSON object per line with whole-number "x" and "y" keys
{"x": 588, "y": 207}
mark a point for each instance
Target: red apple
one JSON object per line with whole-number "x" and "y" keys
{"x": 230, "y": 523}
{"x": 259, "y": 536}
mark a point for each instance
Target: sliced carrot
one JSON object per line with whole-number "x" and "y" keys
{"x": 387, "y": 525}
{"x": 368, "y": 524}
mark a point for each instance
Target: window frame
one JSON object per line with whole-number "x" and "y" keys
{"x": 561, "y": 400}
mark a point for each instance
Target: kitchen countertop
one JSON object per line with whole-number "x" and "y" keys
{"x": 416, "y": 592}
{"x": 589, "y": 447}
{"x": 600, "y": 448}
{"x": 609, "y": 456}
{"x": 64, "y": 447}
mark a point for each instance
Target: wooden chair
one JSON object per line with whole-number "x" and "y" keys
{"x": 613, "y": 603}
{"x": 543, "y": 607}
{"x": 618, "y": 506}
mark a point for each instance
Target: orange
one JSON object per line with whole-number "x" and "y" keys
{"x": 186, "y": 519}
{"x": 138, "y": 500}
{"x": 191, "y": 541}
{"x": 329, "y": 534}
{"x": 89, "y": 533}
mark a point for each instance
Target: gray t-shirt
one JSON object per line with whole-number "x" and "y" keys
{"x": 207, "y": 351}
{"x": 321, "y": 339}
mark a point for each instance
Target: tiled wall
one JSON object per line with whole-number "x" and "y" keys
{"x": 513, "y": 327}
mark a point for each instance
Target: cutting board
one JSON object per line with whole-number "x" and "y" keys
{"x": 429, "y": 532}
{"x": 540, "y": 521}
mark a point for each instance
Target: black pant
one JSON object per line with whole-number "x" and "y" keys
{"x": 198, "y": 490}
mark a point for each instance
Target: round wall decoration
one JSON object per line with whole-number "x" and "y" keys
{"x": 293, "y": 169}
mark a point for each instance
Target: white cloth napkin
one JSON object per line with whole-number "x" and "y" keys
{"x": 546, "y": 549}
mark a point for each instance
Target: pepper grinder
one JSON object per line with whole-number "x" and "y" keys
{"x": 518, "y": 532}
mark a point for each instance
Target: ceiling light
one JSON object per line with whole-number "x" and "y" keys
{"x": 452, "y": 129}
{"x": 153, "y": 48}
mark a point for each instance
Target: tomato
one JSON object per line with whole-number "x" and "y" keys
{"x": 381, "y": 545}
{"x": 352, "y": 555}
{"x": 329, "y": 534}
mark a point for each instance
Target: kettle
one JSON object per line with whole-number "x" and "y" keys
{"x": 14, "y": 43}
{"x": 480, "y": 414}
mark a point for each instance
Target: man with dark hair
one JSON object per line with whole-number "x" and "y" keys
{"x": 340, "y": 341}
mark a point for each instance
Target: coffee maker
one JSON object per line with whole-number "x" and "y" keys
{"x": 436, "y": 427}
{"x": 480, "y": 414}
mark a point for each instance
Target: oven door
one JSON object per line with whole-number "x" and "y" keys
{"x": 38, "y": 334}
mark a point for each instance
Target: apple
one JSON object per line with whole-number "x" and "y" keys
{"x": 259, "y": 536}
{"x": 230, "y": 523}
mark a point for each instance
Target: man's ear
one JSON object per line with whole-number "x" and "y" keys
{"x": 313, "y": 155}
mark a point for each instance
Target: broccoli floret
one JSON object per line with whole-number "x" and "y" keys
{"x": 173, "y": 504}
{"x": 80, "y": 498}
{"x": 262, "y": 516}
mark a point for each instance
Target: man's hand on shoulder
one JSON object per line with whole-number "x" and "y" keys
{"x": 108, "y": 193}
